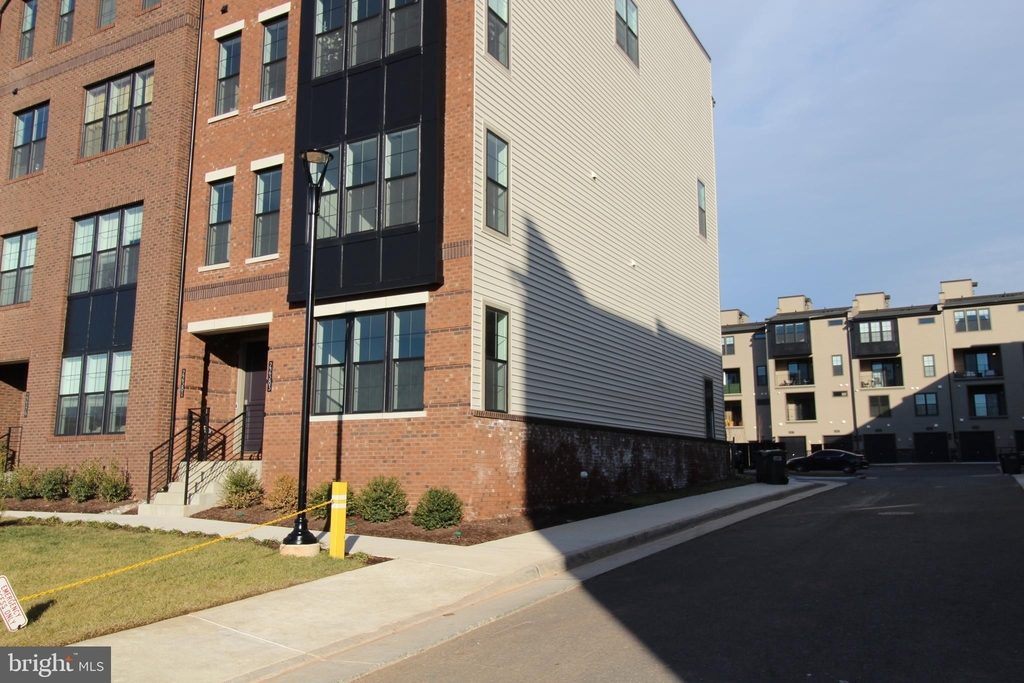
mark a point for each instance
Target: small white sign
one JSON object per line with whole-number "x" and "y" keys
{"x": 10, "y": 609}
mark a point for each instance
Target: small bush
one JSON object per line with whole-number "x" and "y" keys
{"x": 284, "y": 494}
{"x": 24, "y": 483}
{"x": 113, "y": 485}
{"x": 381, "y": 500}
{"x": 53, "y": 484}
{"x": 85, "y": 483}
{"x": 5, "y": 485}
{"x": 241, "y": 488}
{"x": 438, "y": 509}
{"x": 320, "y": 494}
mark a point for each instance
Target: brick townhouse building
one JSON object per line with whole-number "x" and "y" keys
{"x": 925, "y": 383}
{"x": 511, "y": 290}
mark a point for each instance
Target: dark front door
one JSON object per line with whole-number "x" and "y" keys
{"x": 255, "y": 395}
{"x": 978, "y": 446}
{"x": 880, "y": 448}
{"x": 931, "y": 447}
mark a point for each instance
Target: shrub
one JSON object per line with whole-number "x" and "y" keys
{"x": 85, "y": 483}
{"x": 284, "y": 494}
{"x": 53, "y": 484}
{"x": 381, "y": 500}
{"x": 321, "y": 494}
{"x": 5, "y": 485}
{"x": 438, "y": 509}
{"x": 24, "y": 483}
{"x": 241, "y": 488}
{"x": 113, "y": 485}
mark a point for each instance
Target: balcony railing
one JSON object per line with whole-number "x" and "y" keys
{"x": 991, "y": 373}
{"x": 784, "y": 379}
{"x": 732, "y": 388}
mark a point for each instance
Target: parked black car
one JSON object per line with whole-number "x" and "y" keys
{"x": 829, "y": 459}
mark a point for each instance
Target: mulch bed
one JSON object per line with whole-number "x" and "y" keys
{"x": 63, "y": 505}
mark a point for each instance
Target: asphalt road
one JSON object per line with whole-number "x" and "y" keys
{"x": 913, "y": 574}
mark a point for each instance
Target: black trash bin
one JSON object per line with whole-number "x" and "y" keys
{"x": 1011, "y": 464}
{"x": 774, "y": 465}
{"x": 759, "y": 467}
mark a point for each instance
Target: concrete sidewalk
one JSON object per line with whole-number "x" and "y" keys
{"x": 338, "y": 628}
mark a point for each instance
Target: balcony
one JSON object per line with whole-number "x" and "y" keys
{"x": 731, "y": 381}
{"x": 881, "y": 374}
{"x": 794, "y": 373}
{"x": 731, "y": 388}
{"x": 978, "y": 363}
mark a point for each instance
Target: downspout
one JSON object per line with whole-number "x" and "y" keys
{"x": 854, "y": 386}
{"x": 949, "y": 387}
{"x": 184, "y": 236}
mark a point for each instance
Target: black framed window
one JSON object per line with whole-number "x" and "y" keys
{"x": 800, "y": 408}
{"x": 218, "y": 233}
{"x": 361, "y": 185}
{"x": 107, "y": 12}
{"x": 709, "y": 408}
{"x": 28, "y": 30}
{"x": 65, "y": 21}
{"x": 401, "y": 181}
{"x": 93, "y": 396}
{"x": 926, "y": 404}
{"x": 627, "y": 31}
{"x": 972, "y": 320}
{"x": 105, "y": 252}
{"x": 365, "y": 32}
{"x": 926, "y": 321}
{"x": 731, "y": 381}
{"x": 886, "y": 374}
{"x": 929, "y": 366}
{"x": 146, "y": 4}
{"x": 496, "y": 360}
{"x": 229, "y": 62}
{"x": 762, "y": 375}
{"x": 728, "y": 346}
{"x": 330, "y": 200}
{"x": 117, "y": 112}
{"x": 497, "y": 183}
{"x": 275, "y": 54}
{"x": 330, "y": 37}
{"x": 268, "y": 212}
{"x": 403, "y": 25}
{"x": 837, "y": 366}
{"x": 17, "y": 260}
{"x": 497, "y": 30}
{"x": 986, "y": 401}
{"x": 874, "y": 332}
{"x": 702, "y": 214}
{"x": 878, "y": 406}
{"x": 790, "y": 333}
{"x": 370, "y": 362}
{"x": 29, "y": 140}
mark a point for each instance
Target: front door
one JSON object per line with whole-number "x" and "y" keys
{"x": 255, "y": 395}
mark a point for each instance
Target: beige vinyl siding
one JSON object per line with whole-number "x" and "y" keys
{"x": 593, "y": 337}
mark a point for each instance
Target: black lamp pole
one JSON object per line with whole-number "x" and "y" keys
{"x": 315, "y": 162}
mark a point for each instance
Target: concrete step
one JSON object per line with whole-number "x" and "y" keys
{"x": 170, "y": 504}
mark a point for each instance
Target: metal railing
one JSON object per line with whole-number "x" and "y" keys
{"x": 10, "y": 444}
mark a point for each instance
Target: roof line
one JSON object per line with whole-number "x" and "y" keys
{"x": 692, "y": 32}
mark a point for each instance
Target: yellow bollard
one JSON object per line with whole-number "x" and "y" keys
{"x": 339, "y": 506}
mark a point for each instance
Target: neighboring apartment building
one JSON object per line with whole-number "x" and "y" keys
{"x": 510, "y": 291}
{"x": 95, "y": 115}
{"x": 919, "y": 383}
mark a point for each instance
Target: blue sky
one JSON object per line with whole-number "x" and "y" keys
{"x": 866, "y": 146}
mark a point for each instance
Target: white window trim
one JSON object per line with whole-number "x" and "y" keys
{"x": 268, "y": 14}
{"x": 267, "y": 103}
{"x": 374, "y": 304}
{"x": 396, "y": 415}
{"x": 237, "y": 322}
{"x": 261, "y": 259}
{"x": 229, "y": 29}
{"x": 221, "y": 117}
{"x": 267, "y": 162}
{"x": 220, "y": 174}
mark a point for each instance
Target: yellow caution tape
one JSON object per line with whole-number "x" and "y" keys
{"x": 167, "y": 556}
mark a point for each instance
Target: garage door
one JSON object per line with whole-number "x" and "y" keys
{"x": 931, "y": 447}
{"x": 796, "y": 446}
{"x": 978, "y": 446}
{"x": 1020, "y": 441}
{"x": 880, "y": 448}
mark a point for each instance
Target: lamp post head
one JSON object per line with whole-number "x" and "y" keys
{"x": 316, "y": 161}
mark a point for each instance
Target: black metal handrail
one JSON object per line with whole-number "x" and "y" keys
{"x": 11, "y": 448}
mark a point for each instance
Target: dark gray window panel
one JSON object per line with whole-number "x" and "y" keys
{"x": 401, "y": 184}
{"x": 93, "y": 393}
{"x": 365, "y": 32}
{"x": 29, "y": 151}
{"x": 17, "y": 263}
{"x": 403, "y": 25}
{"x": 497, "y": 30}
{"x": 146, "y": 4}
{"x": 275, "y": 54}
{"x": 28, "y": 30}
{"x": 117, "y": 112}
{"x": 330, "y": 37}
{"x": 107, "y": 12}
{"x": 268, "y": 212}
{"x": 65, "y": 22}
{"x": 496, "y": 342}
{"x": 229, "y": 62}
{"x": 627, "y": 30}
{"x": 702, "y": 219}
{"x": 496, "y": 209}
{"x": 218, "y": 233}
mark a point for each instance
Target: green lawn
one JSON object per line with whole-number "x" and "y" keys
{"x": 643, "y": 499}
{"x": 40, "y": 556}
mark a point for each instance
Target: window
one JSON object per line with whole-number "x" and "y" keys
{"x": 228, "y": 65}
{"x": 401, "y": 164}
{"x": 878, "y": 406}
{"x": 926, "y": 404}
{"x": 728, "y": 346}
{"x": 108, "y": 10}
{"x": 268, "y": 211}
{"x": 218, "y": 234}
{"x": 275, "y": 52}
{"x": 731, "y": 381}
{"x": 28, "y": 30}
{"x": 330, "y": 37}
{"x": 733, "y": 414}
{"x": 117, "y": 112}
{"x": 840, "y": 394}
{"x": 146, "y": 4}
{"x": 65, "y": 21}
{"x": 16, "y": 262}
{"x": 1020, "y": 308}
{"x": 797, "y": 373}
{"x": 93, "y": 397}
{"x": 800, "y": 408}
{"x": 837, "y": 366}
{"x": 762, "y": 375}
{"x": 327, "y": 220}
{"x": 105, "y": 252}
{"x": 497, "y": 184}
{"x": 702, "y": 224}
{"x": 791, "y": 333}
{"x": 984, "y": 363}
{"x": 972, "y": 321}
{"x": 497, "y": 30}
{"x": 835, "y": 323}
{"x": 626, "y": 29}
{"x": 874, "y": 332}
{"x": 29, "y": 140}
{"x": 986, "y": 401}
{"x": 496, "y": 361}
{"x": 404, "y": 25}
{"x": 884, "y": 374}
{"x": 361, "y": 186}
{"x": 760, "y": 335}
{"x": 929, "y": 366}
{"x": 926, "y": 321}
{"x": 364, "y": 39}
{"x": 709, "y": 408}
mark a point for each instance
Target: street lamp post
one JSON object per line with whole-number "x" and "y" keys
{"x": 315, "y": 161}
